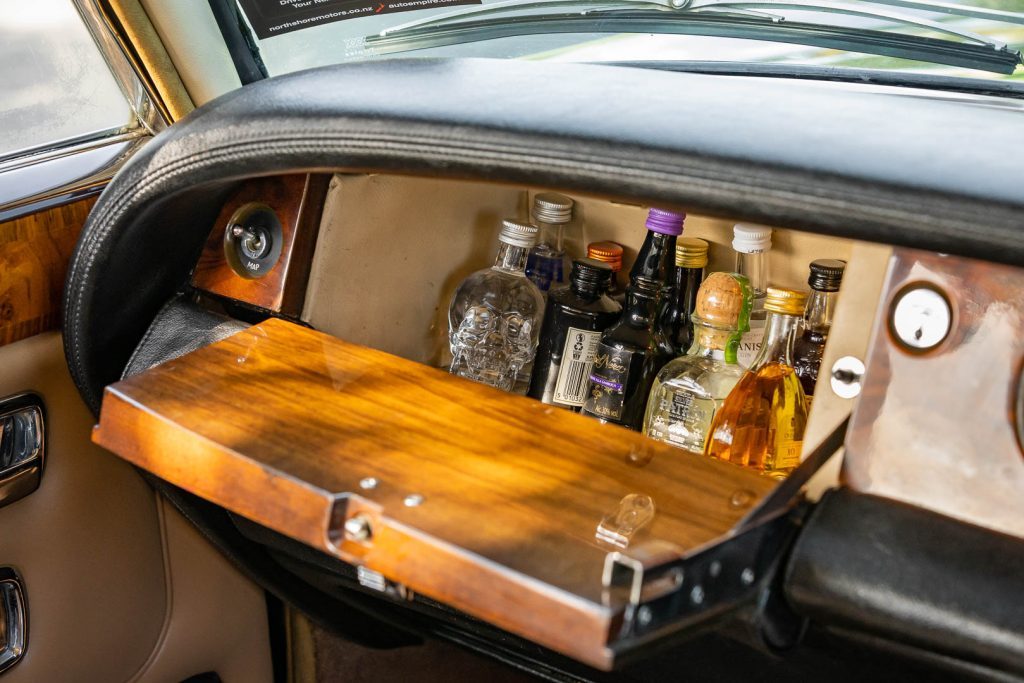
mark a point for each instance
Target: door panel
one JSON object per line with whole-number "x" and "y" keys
{"x": 119, "y": 586}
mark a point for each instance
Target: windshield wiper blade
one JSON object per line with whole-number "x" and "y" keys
{"x": 476, "y": 26}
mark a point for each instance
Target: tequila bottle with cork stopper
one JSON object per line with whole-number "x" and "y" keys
{"x": 761, "y": 424}
{"x": 636, "y": 347}
{"x": 691, "y": 258}
{"x": 752, "y": 244}
{"x": 825, "y": 278}
{"x": 689, "y": 390}
{"x": 610, "y": 253}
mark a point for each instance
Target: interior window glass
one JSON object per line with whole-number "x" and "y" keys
{"x": 56, "y": 85}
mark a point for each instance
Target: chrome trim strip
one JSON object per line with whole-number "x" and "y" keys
{"x": 14, "y": 615}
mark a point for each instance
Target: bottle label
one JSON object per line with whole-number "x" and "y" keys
{"x": 608, "y": 378}
{"x": 682, "y": 419}
{"x": 577, "y": 361}
{"x": 788, "y": 454}
{"x": 750, "y": 343}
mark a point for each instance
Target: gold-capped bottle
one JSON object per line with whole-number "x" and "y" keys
{"x": 761, "y": 424}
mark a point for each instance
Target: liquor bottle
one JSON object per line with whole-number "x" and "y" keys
{"x": 691, "y": 258}
{"x": 751, "y": 244}
{"x": 689, "y": 390}
{"x": 635, "y": 348}
{"x": 546, "y": 266}
{"x": 495, "y": 315}
{"x": 825, "y": 278}
{"x": 576, "y": 316}
{"x": 761, "y": 424}
{"x": 610, "y": 253}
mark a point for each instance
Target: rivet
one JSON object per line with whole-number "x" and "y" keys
{"x": 413, "y": 500}
{"x": 357, "y": 528}
{"x": 747, "y": 576}
{"x": 643, "y": 615}
{"x": 741, "y": 498}
{"x": 697, "y": 594}
{"x": 715, "y": 569}
{"x": 368, "y": 483}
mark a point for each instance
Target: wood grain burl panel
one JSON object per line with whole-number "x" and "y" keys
{"x": 280, "y": 424}
{"x": 34, "y": 255}
{"x": 298, "y": 202}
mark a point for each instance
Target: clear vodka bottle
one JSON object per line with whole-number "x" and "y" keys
{"x": 547, "y": 265}
{"x": 495, "y": 316}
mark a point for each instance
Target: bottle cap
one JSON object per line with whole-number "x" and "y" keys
{"x": 592, "y": 271}
{"x": 751, "y": 239}
{"x": 826, "y": 274}
{"x": 609, "y": 252}
{"x": 724, "y": 301}
{"x": 550, "y": 207}
{"x": 786, "y": 301}
{"x": 518, "y": 234}
{"x": 691, "y": 252}
{"x": 665, "y": 222}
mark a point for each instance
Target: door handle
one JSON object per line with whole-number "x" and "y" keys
{"x": 13, "y": 619}
{"x": 21, "y": 446}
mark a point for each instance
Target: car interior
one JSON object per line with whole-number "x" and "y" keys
{"x": 227, "y": 463}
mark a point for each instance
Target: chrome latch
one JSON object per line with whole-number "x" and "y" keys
{"x": 21, "y": 446}
{"x": 13, "y": 619}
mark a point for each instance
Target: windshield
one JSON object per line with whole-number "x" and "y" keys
{"x": 958, "y": 39}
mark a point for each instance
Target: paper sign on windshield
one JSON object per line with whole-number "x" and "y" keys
{"x": 270, "y": 18}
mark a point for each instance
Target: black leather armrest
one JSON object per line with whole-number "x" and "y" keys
{"x": 913, "y": 577}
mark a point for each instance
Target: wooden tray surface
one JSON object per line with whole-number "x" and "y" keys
{"x": 280, "y": 424}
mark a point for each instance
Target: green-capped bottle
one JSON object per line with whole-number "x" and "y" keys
{"x": 690, "y": 389}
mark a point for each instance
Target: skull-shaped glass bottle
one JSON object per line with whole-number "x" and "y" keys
{"x": 495, "y": 315}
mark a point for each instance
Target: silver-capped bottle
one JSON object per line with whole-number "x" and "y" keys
{"x": 495, "y": 316}
{"x": 548, "y": 264}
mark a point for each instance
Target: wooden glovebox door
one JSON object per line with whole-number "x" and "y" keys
{"x": 586, "y": 538}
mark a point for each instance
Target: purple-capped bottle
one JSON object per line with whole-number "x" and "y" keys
{"x": 635, "y": 348}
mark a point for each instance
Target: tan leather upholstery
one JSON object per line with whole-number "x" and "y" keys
{"x": 118, "y": 587}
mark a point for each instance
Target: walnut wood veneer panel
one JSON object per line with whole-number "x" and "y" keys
{"x": 280, "y": 424}
{"x": 937, "y": 429}
{"x": 34, "y": 255}
{"x": 298, "y": 201}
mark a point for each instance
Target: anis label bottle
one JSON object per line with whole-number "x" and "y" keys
{"x": 636, "y": 347}
{"x": 576, "y": 316}
{"x": 689, "y": 390}
{"x": 761, "y": 424}
{"x": 752, "y": 244}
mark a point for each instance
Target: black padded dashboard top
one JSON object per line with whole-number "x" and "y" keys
{"x": 902, "y": 166}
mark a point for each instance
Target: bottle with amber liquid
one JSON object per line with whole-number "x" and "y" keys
{"x": 636, "y": 347}
{"x": 761, "y": 424}
{"x": 825, "y": 278}
{"x": 610, "y": 253}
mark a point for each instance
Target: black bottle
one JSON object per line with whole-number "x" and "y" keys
{"x": 636, "y": 347}
{"x": 576, "y": 316}
{"x": 691, "y": 257}
{"x": 825, "y": 278}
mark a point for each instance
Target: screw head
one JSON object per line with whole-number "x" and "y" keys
{"x": 413, "y": 500}
{"x": 643, "y": 615}
{"x": 747, "y": 576}
{"x": 921, "y": 318}
{"x": 697, "y": 594}
{"x": 368, "y": 483}
{"x": 357, "y": 528}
